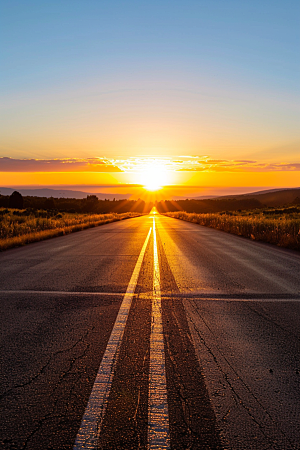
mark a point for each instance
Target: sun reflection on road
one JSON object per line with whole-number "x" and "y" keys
{"x": 153, "y": 211}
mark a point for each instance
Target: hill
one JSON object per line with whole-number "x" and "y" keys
{"x": 61, "y": 193}
{"x": 258, "y": 200}
{"x": 272, "y": 197}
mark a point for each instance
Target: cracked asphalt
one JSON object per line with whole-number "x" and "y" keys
{"x": 230, "y": 310}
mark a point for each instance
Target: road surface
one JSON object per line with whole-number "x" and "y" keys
{"x": 150, "y": 333}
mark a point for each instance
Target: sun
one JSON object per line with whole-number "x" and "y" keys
{"x": 154, "y": 176}
{"x": 152, "y": 186}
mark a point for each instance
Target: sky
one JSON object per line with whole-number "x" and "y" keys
{"x": 200, "y": 95}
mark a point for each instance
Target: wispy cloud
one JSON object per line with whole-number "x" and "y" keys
{"x": 57, "y": 165}
{"x": 140, "y": 164}
{"x": 219, "y": 165}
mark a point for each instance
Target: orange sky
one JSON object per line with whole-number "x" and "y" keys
{"x": 197, "y": 175}
{"x": 198, "y": 94}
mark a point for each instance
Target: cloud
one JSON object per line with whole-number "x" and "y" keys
{"x": 219, "y": 165}
{"x": 140, "y": 164}
{"x": 245, "y": 161}
{"x": 202, "y": 164}
{"x": 57, "y": 165}
{"x": 213, "y": 161}
{"x": 191, "y": 169}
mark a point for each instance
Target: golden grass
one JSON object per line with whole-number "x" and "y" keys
{"x": 19, "y": 228}
{"x": 282, "y": 230}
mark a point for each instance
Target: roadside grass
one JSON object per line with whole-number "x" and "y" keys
{"x": 19, "y": 228}
{"x": 275, "y": 226}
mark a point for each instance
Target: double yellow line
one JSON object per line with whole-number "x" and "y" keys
{"x": 158, "y": 417}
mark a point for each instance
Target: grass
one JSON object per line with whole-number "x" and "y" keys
{"x": 275, "y": 226}
{"x": 19, "y": 228}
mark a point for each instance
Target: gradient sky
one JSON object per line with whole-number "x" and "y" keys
{"x": 209, "y": 88}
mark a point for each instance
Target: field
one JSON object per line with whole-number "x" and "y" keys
{"x": 19, "y": 227}
{"x": 275, "y": 226}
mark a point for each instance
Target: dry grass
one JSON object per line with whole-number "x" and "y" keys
{"x": 23, "y": 227}
{"x": 281, "y": 229}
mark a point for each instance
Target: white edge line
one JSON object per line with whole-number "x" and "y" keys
{"x": 67, "y": 293}
{"x": 182, "y": 295}
{"x": 88, "y": 434}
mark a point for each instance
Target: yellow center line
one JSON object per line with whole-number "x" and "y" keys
{"x": 90, "y": 428}
{"x": 158, "y": 415}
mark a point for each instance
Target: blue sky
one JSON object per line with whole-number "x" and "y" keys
{"x": 112, "y": 78}
{"x": 51, "y": 42}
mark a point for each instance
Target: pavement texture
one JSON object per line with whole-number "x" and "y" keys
{"x": 230, "y": 313}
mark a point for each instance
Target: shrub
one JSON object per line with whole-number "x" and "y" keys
{"x": 16, "y": 200}
{"x": 283, "y": 231}
{"x": 21, "y": 227}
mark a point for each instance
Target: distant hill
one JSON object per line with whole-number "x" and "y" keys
{"x": 268, "y": 197}
{"x": 61, "y": 193}
{"x": 201, "y": 197}
{"x": 257, "y": 200}
{"x": 273, "y": 197}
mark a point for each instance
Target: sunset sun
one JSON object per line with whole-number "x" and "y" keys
{"x": 154, "y": 176}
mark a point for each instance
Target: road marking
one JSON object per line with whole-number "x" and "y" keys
{"x": 212, "y": 296}
{"x": 158, "y": 415}
{"x": 88, "y": 434}
{"x": 68, "y": 293}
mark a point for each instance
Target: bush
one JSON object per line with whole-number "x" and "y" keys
{"x": 283, "y": 231}
{"x": 16, "y": 200}
{"x": 21, "y": 227}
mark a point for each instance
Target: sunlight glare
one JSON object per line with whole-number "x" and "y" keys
{"x": 154, "y": 176}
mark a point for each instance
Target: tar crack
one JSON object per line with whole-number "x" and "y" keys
{"x": 238, "y": 400}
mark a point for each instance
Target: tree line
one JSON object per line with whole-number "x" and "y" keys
{"x": 90, "y": 204}
{"x": 208, "y": 205}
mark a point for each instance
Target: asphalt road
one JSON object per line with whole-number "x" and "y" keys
{"x": 229, "y": 340}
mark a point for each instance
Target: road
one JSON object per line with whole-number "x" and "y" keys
{"x": 212, "y": 317}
